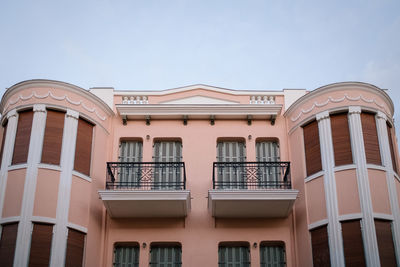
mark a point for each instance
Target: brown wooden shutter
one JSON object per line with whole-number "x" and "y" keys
{"x": 320, "y": 247}
{"x": 42, "y": 235}
{"x": 75, "y": 248}
{"x": 392, "y": 151}
{"x": 7, "y": 244}
{"x": 53, "y": 137}
{"x": 371, "y": 143}
{"x": 353, "y": 243}
{"x": 312, "y": 148}
{"x": 83, "y": 148}
{"x": 2, "y": 142}
{"x": 341, "y": 139}
{"x": 385, "y": 243}
{"x": 23, "y": 136}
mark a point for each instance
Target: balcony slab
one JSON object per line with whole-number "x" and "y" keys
{"x": 263, "y": 203}
{"x": 146, "y": 203}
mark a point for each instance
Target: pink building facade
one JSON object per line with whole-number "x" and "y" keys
{"x": 198, "y": 176}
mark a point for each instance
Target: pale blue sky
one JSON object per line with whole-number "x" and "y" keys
{"x": 170, "y": 43}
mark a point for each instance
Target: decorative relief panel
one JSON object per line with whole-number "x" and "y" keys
{"x": 136, "y": 100}
{"x": 254, "y": 99}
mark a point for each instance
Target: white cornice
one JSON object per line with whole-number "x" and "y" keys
{"x": 42, "y": 83}
{"x": 341, "y": 86}
{"x": 176, "y": 109}
{"x": 266, "y": 194}
{"x": 199, "y": 86}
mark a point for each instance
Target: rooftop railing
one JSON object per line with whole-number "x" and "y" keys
{"x": 146, "y": 176}
{"x": 251, "y": 175}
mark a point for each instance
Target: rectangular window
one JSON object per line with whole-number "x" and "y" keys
{"x": 231, "y": 176}
{"x": 130, "y": 151}
{"x": 272, "y": 255}
{"x": 312, "y": 148}
{"x": 53, "y": 136}
{"x": 353, "y": 246}
{"x": 234, "y": 256}
{"x": 83, "y": 149}
{"x": 371, "y": 142}
{"x": 165, "y": 255}
{"x": 7, "y": 244}
{"x": 3, "y": 140}
{"x": 22, "y": 137}
{"x": 384, "y": 237}
{"x": 167, "y": 177}
{"x": 392, "y": 148}
{"x": 268, "y": 151}
{"x": 320, "y": 246}
{"x": 42, "y": 235}
{"x": 75, "y": 248}
{"x": 126, "y": 256}
{"x": 341, "y": 139}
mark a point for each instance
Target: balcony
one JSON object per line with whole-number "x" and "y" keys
{"x": 146, "y": 190}
{"x": 251, "y": 190}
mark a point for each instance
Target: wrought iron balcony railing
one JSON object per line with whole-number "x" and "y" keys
{"x": 146, "y": 176}
{"x": 251, "y": 175}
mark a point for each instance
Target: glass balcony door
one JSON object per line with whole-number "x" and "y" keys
{"x": 130, "y": 174}
{"x": 269, "y": 175}
{"x": 231, "y": 176}
{"x": 167, "y": 176}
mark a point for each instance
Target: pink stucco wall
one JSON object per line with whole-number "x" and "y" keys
{"x": 46, "y": 195}
{"x": 347, "y": 192}
{"x": 379, "y": 191}
{"x": 14, "y": 193}
{"x": 316, "y": 207}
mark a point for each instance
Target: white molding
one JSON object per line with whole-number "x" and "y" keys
{"x": 262, "y": 194}
{"x": 35, "y": 151}
{"x": 376, "y": 167}
{"x": 81, "y": 175}
{"x": 348, "y": 86}
{"x": 10, "y": 219}
{"x": 58, "y": 249}
{"x": 43, "y": 219}
{"x": 367, "y": 221}
{"x": 17, "y": 167}
{"x": 317, "y": 224}
{"x": 7, "y": 154}
{"x": 314, "y": 176}
{"x": 384, "y": 145}
{"x": 352, "y": 216}
{"x": 51, "y": 84}
{"x": 178, "y": 109}
{"x": 345, "y": 167}
{"x": 49, "y": 167}
{"x": 383, "y": 216}
{"x": 77, "y": 227}
{"x": 197, "y": 86}
{"x": 328, "y": 163}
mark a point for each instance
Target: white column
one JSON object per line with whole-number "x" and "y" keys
{"x": 368, "y": 224}
{"x": 8, "y": 148}
{"x": 328, "y": 164}
{"x": 35, "y": 151}
{"x": 387, "y": 162}
{"x": 59, "y": 243}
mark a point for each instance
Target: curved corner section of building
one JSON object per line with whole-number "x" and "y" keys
{"x": 50, "y": 174}
{"x": 343, "y": 151}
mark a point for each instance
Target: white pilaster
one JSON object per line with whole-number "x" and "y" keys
{"x": 387, "y": 162}
{"x": 368, "y": 224}
{"x": 328, "y": 164}
{"x": 35, "y": 151}
{"x": 8, "y": 148}
{"x": 59, "y": 243}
